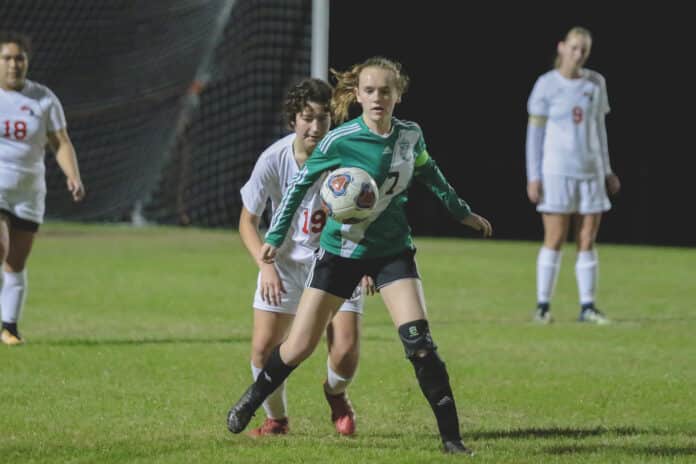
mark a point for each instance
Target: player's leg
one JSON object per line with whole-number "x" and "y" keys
{"x": 402, "y": 292}
{"x": 549, "y": 262}
{"x": 331, "y": 281}
{"x": 313, "y": 314}
{"x": 272, "y": 320}
{"x": 270, "y": 329}
{"x": 343, "y": 338}
{"x": 587, "y": 267}
{"x": 14, "y": 282}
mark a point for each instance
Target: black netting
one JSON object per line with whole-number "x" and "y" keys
{"x": 168, "y": 102}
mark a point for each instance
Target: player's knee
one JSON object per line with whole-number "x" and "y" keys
{"x": 415, "y": 336}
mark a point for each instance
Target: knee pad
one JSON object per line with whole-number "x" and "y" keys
{"x": 415, "y": 336}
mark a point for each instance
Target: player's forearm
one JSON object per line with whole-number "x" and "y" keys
{"x": 429, "y": 174}
{"x": 536, "y": 130}
{"x": 604, "y": 144}
{"x": 248, "y": 231}
{"x": 67, "y": 161}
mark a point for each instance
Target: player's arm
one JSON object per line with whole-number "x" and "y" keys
{"x": 271, "y": 285}
{"x": 612, "y": 180}
{"x": 536, "y": 131}
{"x": 64, "y": 150}
{"x": 292, "y": 198}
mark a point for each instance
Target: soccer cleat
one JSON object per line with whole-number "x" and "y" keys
{"x": 10, "y": 339}
{"x": 456, "y": 447}
{"x": 593, "y": 315}
{"x": 542, "y": 315}
{"x": 342, "y": 412}
{"x": 241, "y": 413}
{"x": 271, "y": 427}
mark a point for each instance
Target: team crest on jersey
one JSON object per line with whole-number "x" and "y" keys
{"x": 27, "y": 109}
{"x": 404, "y": 150}
{"x": 339, "y": 184}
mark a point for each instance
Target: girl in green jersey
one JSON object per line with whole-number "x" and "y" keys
{"x": 394, "y": 153}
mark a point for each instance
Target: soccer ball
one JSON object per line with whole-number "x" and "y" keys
{"x": 349, "y": 195}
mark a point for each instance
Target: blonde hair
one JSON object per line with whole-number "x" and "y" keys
{"x": 577, "y": 30}
{"x": 347, "y": 84}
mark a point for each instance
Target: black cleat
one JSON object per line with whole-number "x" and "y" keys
{"x": 456, "y": 447}
{"x": 241, "y": 413}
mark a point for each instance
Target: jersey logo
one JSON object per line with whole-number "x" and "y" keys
{"x": 404, "y": 150}
{"x": 387, "y": 150}
{"x": 27, "y": 109}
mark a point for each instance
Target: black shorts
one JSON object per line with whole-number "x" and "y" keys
{"x": 339, "y": 276}
{"x": 19, "y": 223}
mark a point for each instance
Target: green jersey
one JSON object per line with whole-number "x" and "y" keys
{"x": 393, "y": 160}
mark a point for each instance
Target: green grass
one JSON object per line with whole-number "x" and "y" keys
{"x": 138, "y": 343}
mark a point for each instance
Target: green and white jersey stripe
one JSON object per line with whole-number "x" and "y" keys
{"x": 393, "y": 160}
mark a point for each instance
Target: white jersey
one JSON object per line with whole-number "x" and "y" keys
{"x": 270, "y": 178}
{"x": 26, "y": 118}
{"x": 573, "y": 142}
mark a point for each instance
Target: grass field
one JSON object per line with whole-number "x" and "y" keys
{"x": 138, "y": 343}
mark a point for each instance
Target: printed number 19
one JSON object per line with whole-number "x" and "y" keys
{"x": 317, "y": 221}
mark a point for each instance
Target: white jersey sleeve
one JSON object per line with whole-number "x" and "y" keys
{"x": 572, "y": 142}
{"x": 269, "y": 180}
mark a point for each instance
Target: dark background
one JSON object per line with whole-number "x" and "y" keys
{"x": 472, "y": 68}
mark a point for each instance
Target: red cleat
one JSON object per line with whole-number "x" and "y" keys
{"x": 342, "y": 412}
{"x": 271, "y": 427}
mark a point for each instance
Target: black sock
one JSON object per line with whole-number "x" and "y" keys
{"x": 11, "y": 327}
{"x": 273, "y": 374}
{"x": 585, "y": 306}
{"x": 543, "y": 307}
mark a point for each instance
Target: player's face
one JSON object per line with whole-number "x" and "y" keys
{"x": 575, "y": 50}
{"x": 378, "y": 95}
{"x": 13, "y": 66}
{"x": 312, "y": 124}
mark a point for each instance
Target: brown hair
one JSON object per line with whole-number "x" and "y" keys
{"x": 23, "y": 41}
{"x": 347, "y": 84}
{"x": 305, "y": 91}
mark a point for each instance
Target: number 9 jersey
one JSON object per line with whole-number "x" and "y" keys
{"x": 393, "y": 160}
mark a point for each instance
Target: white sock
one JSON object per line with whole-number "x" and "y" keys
{"x": 548, "y": 264}
{"x": 335, "y": 384}
{"x": 587, "y": 273}
{"x": 276, "y": 403}
{"x": 13, "y": 294}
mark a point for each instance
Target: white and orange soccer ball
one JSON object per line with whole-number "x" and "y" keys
{"x": 349, "y": 195}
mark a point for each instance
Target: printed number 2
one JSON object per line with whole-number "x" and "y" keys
{"x": 20, "y": 130}
{"x": 317, "y": 221}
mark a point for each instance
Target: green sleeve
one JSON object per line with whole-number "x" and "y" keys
{"x": 292, "y": 198}
{"x": 427, "y": 172}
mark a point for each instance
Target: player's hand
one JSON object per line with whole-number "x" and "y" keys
{"x": 271, "y": 287}
{"x": 267, "y": 253}
{"x": 613, "y": 184}
{"x": 368, "y": 285}
{"x": 76, "y": 188}
{"x": 479, "y": 223}
{"x": 534, "y": 191}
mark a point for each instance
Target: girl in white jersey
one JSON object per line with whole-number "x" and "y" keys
{"x": 568, "y": 169}
{"x": 394, "y": 153}
{"x": 280, "y": 284}
{"x": 31, "y": 117}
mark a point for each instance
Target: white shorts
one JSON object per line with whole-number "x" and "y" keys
{"x": 25, "y": 204}
{"x": 293, "y": 275}
{"x": 567, "y": 195}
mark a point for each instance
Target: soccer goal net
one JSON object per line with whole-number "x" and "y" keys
{"x": 169, "y": 103}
